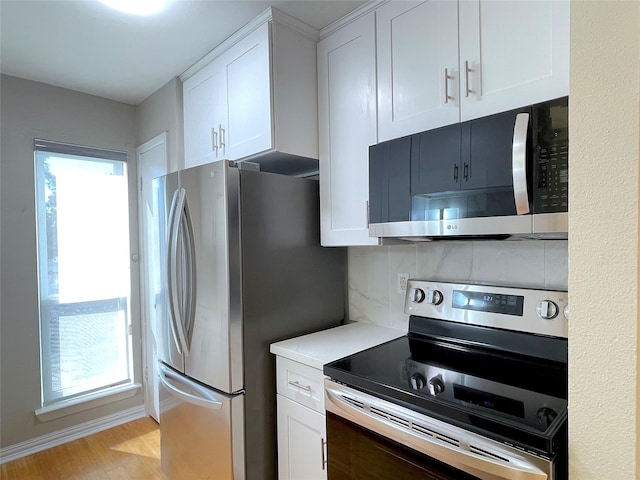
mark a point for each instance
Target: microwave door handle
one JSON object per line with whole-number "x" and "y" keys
{"x": 519, "y": 163}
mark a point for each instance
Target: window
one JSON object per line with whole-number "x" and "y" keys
{"x": 84, "y": 272}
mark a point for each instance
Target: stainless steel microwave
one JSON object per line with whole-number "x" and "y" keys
{"x": 501, "y": 176}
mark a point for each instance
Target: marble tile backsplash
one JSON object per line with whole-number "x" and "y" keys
{"x": 373, "y": 271}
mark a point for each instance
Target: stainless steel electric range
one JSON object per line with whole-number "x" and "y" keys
{"x": 476, "y": 389}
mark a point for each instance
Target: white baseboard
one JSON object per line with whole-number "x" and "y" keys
{"x": 22, "y": 449}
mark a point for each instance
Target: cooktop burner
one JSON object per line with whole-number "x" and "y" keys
{"x": 507, "y": 385}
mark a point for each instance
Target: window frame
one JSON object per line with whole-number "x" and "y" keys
{"x": 48, "y": 301}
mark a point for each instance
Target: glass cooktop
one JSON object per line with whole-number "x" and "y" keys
{"x": 512, "y": 398}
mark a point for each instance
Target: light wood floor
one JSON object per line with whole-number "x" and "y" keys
{"x": 127, "y": 452}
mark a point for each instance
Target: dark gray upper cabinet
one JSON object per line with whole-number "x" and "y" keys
{"x": 472, "y": 155}
{"x": 390, "y": 181}
{"x": 435, "y": 160}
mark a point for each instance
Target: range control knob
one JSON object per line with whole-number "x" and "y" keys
{"x": 434, "y": 297}
{"x": 436, "y": 385}
{"x": 546, "y": 416}
{"x": 547, "y": 309}
{"x": 418, "y": 381}
{"x": 416, "y": 295}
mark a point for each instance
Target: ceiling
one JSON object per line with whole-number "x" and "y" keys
{"x": 85, "y": 46}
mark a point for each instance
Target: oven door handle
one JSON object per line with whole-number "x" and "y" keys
{"x": 358, "y": 409}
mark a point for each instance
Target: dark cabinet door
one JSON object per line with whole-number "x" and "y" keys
{"x": 389, "y": 181}
{"x": 487, "y": 150}
{"x": 435, "y": 160}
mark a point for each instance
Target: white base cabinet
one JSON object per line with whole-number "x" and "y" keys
{"x": 255, "y": 96}
{"x": 301, "y": 442}
{"x": 301, "y": 421}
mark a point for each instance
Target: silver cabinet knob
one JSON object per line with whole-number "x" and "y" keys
{"x": 434, "y": 297}
{"x": 547, "y": 309}
{"x": 416, "y": 295}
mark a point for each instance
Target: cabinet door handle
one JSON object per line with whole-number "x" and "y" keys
{"x": 455, "y": 172}
{"x": 222, "y": 144}
{"x": 465, "y": 172}
{"x": 323, "y": 444}
{"x": 467, "y": 90}
{"x": 447, "y": 77}
{"x": 214, "y": 139}
{"x": 295, "y": 383}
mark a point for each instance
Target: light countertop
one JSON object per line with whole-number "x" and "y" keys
{"x": 320, "y": 348}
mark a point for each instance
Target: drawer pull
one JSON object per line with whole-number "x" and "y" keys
{"x": 306, "y": 388}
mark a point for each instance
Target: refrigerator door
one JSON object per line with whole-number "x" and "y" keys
{"x": 169, "y": 347}
{"x": 201, "y": 430}
{"x": 212, "y": 319}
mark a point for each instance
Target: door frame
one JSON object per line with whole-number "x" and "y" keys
{"x": 149, "y": 168}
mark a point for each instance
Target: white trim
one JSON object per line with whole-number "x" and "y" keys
{"x": 50, "y": 440}
{"x": 351, "y": 17}
{"x": 270, "y": 14}
{"x": 86, "y": 402}
{"x": 149, "y": 359}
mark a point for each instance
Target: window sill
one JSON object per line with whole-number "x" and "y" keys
{"x": 69, "y": 407}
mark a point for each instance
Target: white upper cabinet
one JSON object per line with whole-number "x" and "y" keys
{"x": 417, "y": 49}
{"x": 347, "y": 110}
{"x": 511, "y": 54}
{"x": 205, "y": 111}
{"x": 254, "y": 96}
{"x": 248, "y": 100}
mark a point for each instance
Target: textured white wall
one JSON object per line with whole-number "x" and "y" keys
{"x": 603, "y": 242}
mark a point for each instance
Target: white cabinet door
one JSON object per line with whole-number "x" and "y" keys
{"x": 205, "y": 109}
{"x": 301, "y": 442}
{"x": 247, "y": 130}
{"x": 417, "y": 66}
{"x": 347, "y": 127}
{"x": 517, "y": 54}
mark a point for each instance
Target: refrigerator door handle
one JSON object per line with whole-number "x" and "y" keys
{"x": 189, "y": 277}
{"x": 173, "y": 271}
{"x": 205, "y": 397}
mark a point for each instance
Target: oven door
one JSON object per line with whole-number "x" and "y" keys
{"x": 371, "y": 438}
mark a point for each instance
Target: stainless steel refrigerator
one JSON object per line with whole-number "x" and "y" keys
{"x": 242, "y": 267}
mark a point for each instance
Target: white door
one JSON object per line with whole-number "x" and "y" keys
{"x": 248, "y": 96}
{"x": 152, "y": 163}
{"x": 301, "y": 442}
{"x": 417, "y": 67}
{"x": 205, "y": 112}
{"x": 512, "y": 54}
{"x": 347, "y": 127}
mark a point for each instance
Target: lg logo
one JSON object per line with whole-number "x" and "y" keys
{"x": 452, "y": 227}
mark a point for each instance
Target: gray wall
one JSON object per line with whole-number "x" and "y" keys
{"x": 162, "y": 112}
{"x": 28, "y": 110}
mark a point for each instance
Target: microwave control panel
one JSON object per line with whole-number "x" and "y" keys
{"x": 551, "y": 175}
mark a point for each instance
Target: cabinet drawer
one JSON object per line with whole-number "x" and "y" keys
{"x": 300, "y": 383}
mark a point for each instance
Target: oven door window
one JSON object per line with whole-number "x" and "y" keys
{"x": 357, "y": 453}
